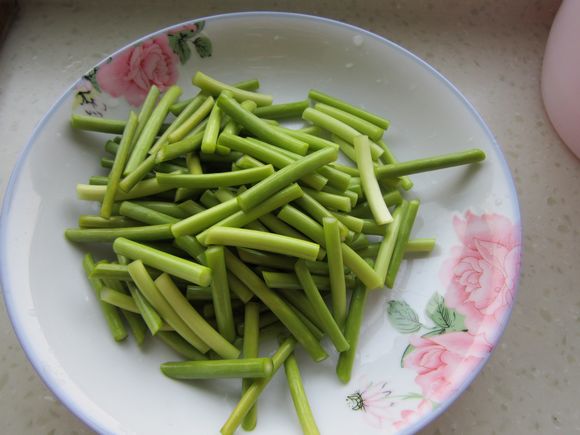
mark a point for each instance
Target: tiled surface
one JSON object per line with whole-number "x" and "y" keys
{"x": 492, "y": 51}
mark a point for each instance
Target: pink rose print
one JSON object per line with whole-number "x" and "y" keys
{"x": 373, "y": 401}
{"x": 410, "y": 416}
{"x": 483, "y": 271}
{"x": 443, "y": 362}
{"x": 131, "y": 73}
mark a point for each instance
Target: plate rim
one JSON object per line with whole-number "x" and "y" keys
{"x": 65, "y": 395}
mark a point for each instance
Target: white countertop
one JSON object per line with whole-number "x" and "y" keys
{"x": 491, "y": 50}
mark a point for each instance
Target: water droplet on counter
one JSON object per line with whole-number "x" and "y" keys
{"x": 349, "y": 65}
{"x": 357, "y": 40}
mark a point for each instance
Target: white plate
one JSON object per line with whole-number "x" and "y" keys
{"x": 473, "y": 213}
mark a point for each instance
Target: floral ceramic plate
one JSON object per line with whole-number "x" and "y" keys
{"x": 421, "y": 343}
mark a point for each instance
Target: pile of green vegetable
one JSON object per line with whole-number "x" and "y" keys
{"x": 229, "y": 227}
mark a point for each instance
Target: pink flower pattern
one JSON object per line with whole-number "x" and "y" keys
{"x": 442, "y": 362}
{"x": 131, "y": 73}
{"x": 373, "y": 401}
{"x": 480, "y": 277}
{"x": 409, "y": 416}
{"x": 482, "y": 272}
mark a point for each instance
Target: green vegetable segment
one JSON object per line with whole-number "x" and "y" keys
{"x": 354, "y": 224}
{"x": 212, "y": 130}
{"x": 387, "y": 246}
{"x": 190, "y": 123}
{"x": 280, "y": 280}
{"x": 420, "y": 245}
{"x": 277, "y": 306}
{"x": 370, "y": 185}
{"x": 347, "y": 107}
{"x": 221, "y": 292}
{"x": 388, "y": 157}
{"x": 239, "y": 289}
{"x": 299, "y": 398}
{"x": 119, "y": 165}
{"x": 94, "y": 123}
{"x": 266, "y": 259}
{"x": 351, "y": 333}
{"x": 315, "y": 143}
{"x": 361, "y": 125}
{"x": 268, "y": 154}
{"x": 241, "y": 218}
{"x": 336, "y": 269}
{"x": 281, "y": 111}
{"x": 151, "y": 128}
{"x": 215, "y": 87}
{"x": 260, "y": 240}
{"x": 251, "y": 395}
{"x": 314, "y": 230}
{"x": 339, "y": 128}
{"x": 148, "y": 288}
{"x": 330, "y": 200}
{"x": 201, "y": 221}
{"x": 145, "y": 233}
{"x": 430, "y": 163}
{"x": 408, "y": 219}
{"x": 179, "y": 267}
{"x": 250, "y": 350}
{"x": 222, "y": 179}
{"x": 170, "y": 151}
{"x": 118, "y": 299}
{"x": 259, "y": 127}
{"x": 225, "y": 368}
{"x": 183, "y": 116}
{"x": 217, "y": 342}
{"x": 329, "y": 325}
{"x": 318, "y": 212}
{"x": 150, "y": 187}
{"x": 181, "y": 346}
{"x": 110, "y": 313}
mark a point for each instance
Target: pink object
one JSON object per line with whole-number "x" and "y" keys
{"x": 443, "y": 361}
{"x": 131, "y": 73}
{"x": 376, "y": 403}
{"x": 481, "y": 274}
{"x": 561, "y": 74}
{"x": 462, "y": 325}
{"x": 409, "y": 416}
